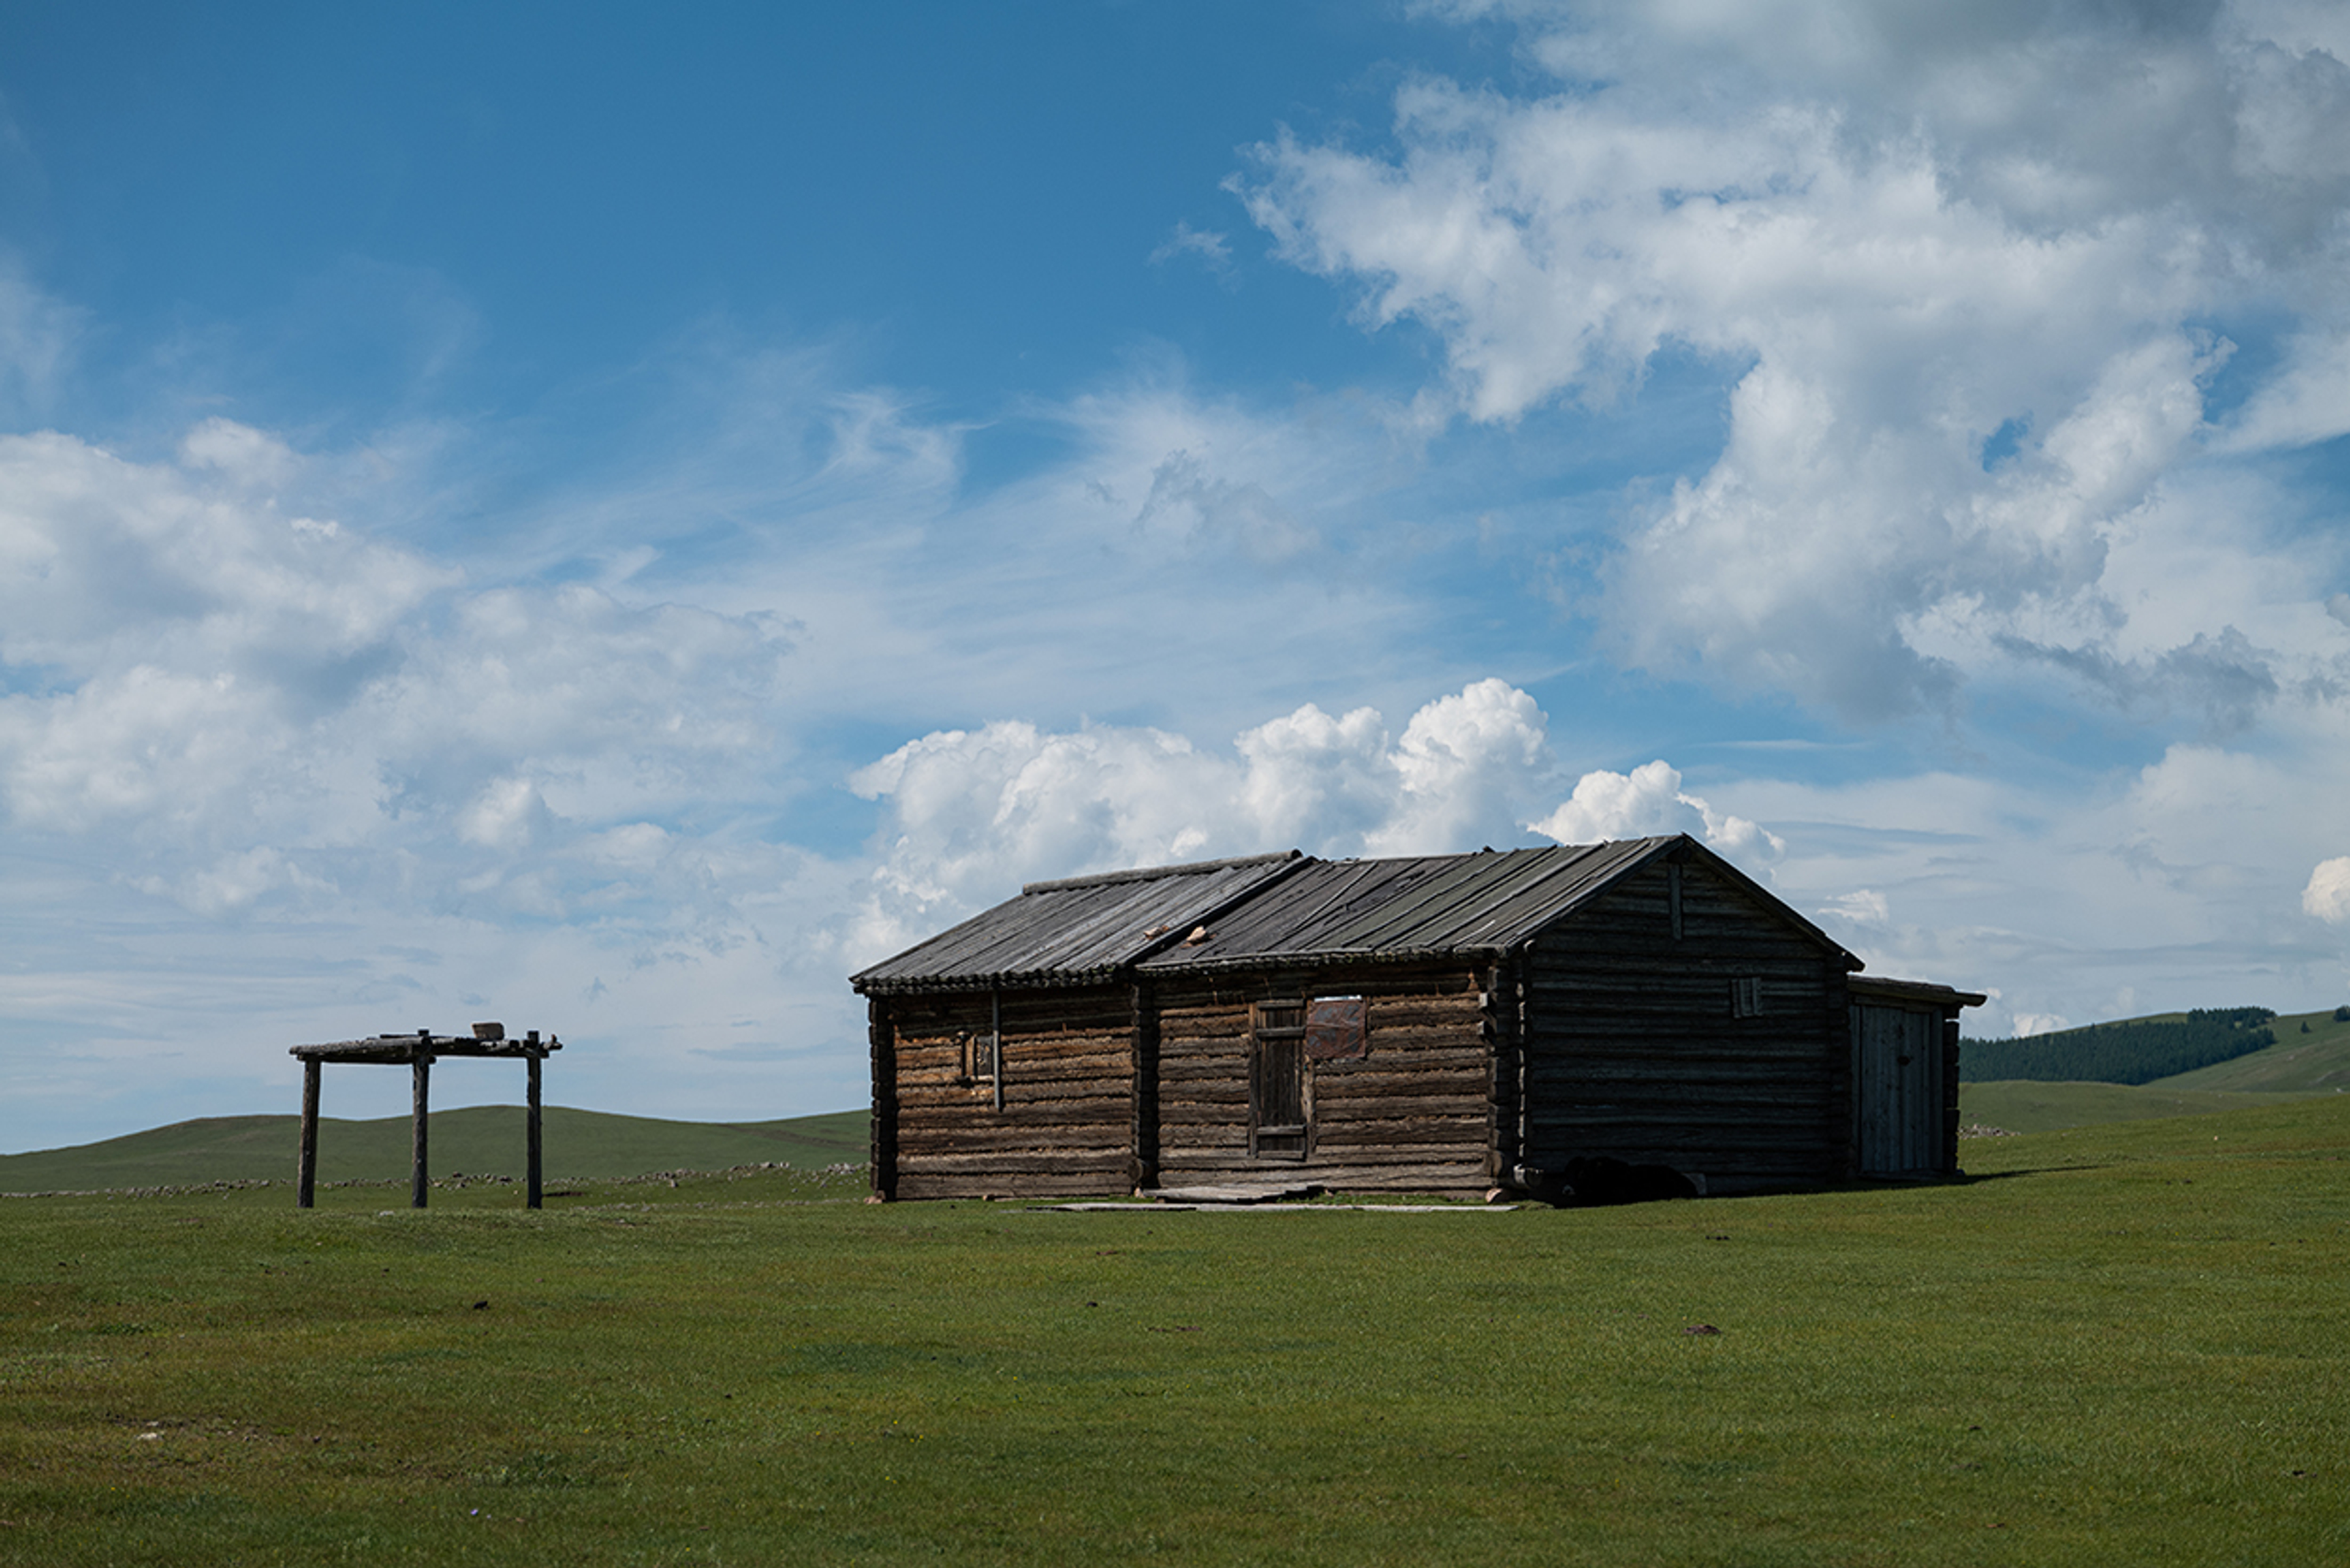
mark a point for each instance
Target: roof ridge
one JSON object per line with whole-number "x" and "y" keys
{"x": 1153, "y": 873}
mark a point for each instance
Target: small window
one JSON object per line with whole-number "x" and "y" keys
{"x": 979, "y": 1058}
{"x": 1746, "y": 997}
{"x": 1337, "y": 1029}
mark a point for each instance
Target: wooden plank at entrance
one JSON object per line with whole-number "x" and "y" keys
{"x": 419, "y": 1183}
{"x": 533, "y": 1136}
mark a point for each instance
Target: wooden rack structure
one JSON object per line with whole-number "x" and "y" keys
{"x": 418, "y": 1052}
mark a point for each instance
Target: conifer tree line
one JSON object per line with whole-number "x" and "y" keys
{"x": 2138, "y": 1051}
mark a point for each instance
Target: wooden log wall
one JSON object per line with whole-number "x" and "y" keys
{"x": 1067, "y": 1126}
{"x": 1413, "y": 1115}
{"x": 1632, "y": 1051}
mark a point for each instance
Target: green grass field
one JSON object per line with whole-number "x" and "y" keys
{"x": 2025, "y": 1105}
{"x": 2114, "y": 1345}
{"x": 482, "y": 1141}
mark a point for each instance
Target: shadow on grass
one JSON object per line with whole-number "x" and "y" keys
{"x": 1972, "y": 1179}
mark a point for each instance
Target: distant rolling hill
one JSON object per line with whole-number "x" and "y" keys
{"x": 480, "y": 1140}
{"x": 2299, "y": 1065}
{"x": 2125, "y": 1050}
{"x": 2296, "y": 1063}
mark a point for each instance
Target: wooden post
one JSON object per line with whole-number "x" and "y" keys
{"x": 306, "y": 1163}
{"x": 533, "y": 1133}
{"x": 995, "y": 1037}
{"x": 419, "y": 1183}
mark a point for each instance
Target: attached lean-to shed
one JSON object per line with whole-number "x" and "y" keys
{"x": 1434, "y": 1024}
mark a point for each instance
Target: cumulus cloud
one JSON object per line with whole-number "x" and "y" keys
{"x": 107, "y": 564}
{"x": 252, "y": 683}
{"x": 1958, "y": 269}
{"x": 227, "y": 682}
{"x": 1646, "y": 801}
{"x": 308, "y": 780}
{"x": 1463, "y": 763}
{"x": 2327, "y": 895}
{"x": 971, "y": 814}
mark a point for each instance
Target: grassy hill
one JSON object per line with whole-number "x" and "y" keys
{"x": 2124, "y": 1050}
{"x": 479, "y": 1140}
{"x": 2298, "y": 1065}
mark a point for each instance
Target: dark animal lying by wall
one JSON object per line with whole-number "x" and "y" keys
{"x": 1590, "y": 1183}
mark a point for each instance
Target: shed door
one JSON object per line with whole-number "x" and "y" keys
{"x": 1898, "y": 1081}
{"x": 1278, "y": 1107}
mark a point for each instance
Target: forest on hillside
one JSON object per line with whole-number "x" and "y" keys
{"x": 2136, "y": 1051}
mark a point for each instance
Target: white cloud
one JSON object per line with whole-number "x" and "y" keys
{"x": 1463, "y": 766}
{"x": 245, "y": 689}
{"x": 1212, "y": 247}
{"x": 1960, "y": 266}
{"x": 2185, "y": 883}
{"x": 232, "y": 687}
{"x": 1185, "y": 498}
{"x": 233, "y": 882}
{"x": 1862, "y": 907}
{"x": 2327, "y": 895}
{"x": 1646, "y": 801}
{"x": 148, "y": 741}
{"x": 504, "y": 816}
{"x": 107, "y": 564}
{"x": 971, "y": 814}
{"x": 187, "y": 660}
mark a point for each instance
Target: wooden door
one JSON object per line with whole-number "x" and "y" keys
{"x": 1280, "y": 1107}
{"x": 1897, "y": 1084}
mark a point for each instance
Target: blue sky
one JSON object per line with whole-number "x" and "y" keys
{"x": 612, "y": 521}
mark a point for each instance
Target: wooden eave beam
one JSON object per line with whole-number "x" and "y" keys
{"x": 1324, "y": 958}
{"x": 400, "y": 1049}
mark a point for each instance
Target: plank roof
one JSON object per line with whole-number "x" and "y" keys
{"x": 1415, "y": 906}
{"x": 1079, "y": 928}
{"x": 1282, "y": 907}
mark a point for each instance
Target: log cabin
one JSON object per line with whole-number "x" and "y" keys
{"x": 1439, "y": 1024}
